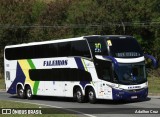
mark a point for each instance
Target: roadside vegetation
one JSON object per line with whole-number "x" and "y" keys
{"x": 154, "y": 82}
{"x": 2, "y": 84}
{"x": 154, "y": 85}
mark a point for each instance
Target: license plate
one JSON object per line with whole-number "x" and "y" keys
{"x": 134, "y": 97}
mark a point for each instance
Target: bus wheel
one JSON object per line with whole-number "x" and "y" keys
{"x": 29, "y": 93}
{"x": 79, "y": 95}
{"x": 21, "y": 92}
{"x": 91, "y": 96}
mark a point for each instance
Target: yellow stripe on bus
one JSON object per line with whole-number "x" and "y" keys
{"x": 25, "y": 68}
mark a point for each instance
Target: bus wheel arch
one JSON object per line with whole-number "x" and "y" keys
{"x": 28, "y": 92}
{"x": 20, "y": 91}
{"x": 78, "y": 94}
{"x": 90, "y": 94}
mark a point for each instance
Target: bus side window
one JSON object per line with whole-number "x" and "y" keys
{"x": 64, "y": 49}
{"x": 80, "y": 48}
{"x": 103, "y": 69}
{"x": 7, "y": 75}
{"x": 53, "y": 50}
{"x": 98, "y": 48}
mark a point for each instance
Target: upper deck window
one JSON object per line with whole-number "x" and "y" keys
{"x": 124, "y": 48}
{"x": 63, "y": 49}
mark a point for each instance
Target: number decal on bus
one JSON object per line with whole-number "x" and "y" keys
{"x": 98, "y": 47}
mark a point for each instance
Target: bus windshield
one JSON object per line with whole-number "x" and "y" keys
{"x": 124, "y": 48}
{"x": 131, "y": 74}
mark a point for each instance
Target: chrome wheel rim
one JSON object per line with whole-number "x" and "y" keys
{"x": 91, "y": 95}
{"x": 29, "y": 94}
{"x": 21, "y": 92}
{"x": 79, "y": 95}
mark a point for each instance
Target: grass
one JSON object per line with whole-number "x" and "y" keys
{"x": 154, "y": 85}
{"x": 11, "y": 104}
{"x": 2, "y": 84}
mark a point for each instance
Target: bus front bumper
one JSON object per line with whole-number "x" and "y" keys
{"x": 129, "y": 95}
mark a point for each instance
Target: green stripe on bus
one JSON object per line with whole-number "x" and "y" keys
{"x": 35, "y": 88}
{"x": 36, "y": 83}
{"x": 31, "y": 64}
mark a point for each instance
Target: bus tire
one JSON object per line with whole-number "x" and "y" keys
{"x": 21, "y": 92}
{"x": 79, "y": 95}
{"x": 29, "y": 93}
{"x": 91, "y": 96}
{"x": 74, "y": 96}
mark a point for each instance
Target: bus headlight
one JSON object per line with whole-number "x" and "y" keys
{"x": 113, "y": 85}
{"x": 119, "y": 85}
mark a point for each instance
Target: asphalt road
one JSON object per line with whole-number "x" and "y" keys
{"x": 103, "y": 108}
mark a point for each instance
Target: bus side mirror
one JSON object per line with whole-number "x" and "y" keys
{"x": 154, "y": 61}
{"x": 114, "y": 61}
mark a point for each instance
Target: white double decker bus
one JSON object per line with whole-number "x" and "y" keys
{"x": 85, "y": 68}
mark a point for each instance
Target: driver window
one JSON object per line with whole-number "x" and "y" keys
{"x": 104, "y": 69}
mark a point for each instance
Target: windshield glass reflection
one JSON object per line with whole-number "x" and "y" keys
{"x": 130, "y": 74}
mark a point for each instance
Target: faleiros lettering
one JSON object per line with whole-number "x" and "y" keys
{"x": 55, "y": 62}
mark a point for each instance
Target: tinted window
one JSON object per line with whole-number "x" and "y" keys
{"x": 59, "y": 74}
{"x": 125, "y": 48}
{"x": 74, "y": 48}
{"x": 98, "y": 48}
{"x": 80, "y": 48}
{"x": 30, "y": 52}
{"x": 53, "y": 50}
{"x": 104, "y": 69}
{"x": 98, "y": 45}
{"x": 64, "y": 49}
{"x": 14, "y": 53}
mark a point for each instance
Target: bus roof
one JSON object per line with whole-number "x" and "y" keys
{"x": 109, "y": 36}
{"x": 44, "y": 42}
{"x": 65, "y": 40}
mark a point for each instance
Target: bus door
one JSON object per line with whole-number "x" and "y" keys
{"x": 104, "y": 72}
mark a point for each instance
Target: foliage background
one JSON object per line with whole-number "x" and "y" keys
{"x": 23, "y": 21}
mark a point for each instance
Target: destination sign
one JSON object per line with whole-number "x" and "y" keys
{"x": 127, "y": 54}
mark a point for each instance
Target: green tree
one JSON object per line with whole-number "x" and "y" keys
{"x": 83, "y": 16}
{"x": 16, "y": 20}
{"x": 51, "y": 23}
